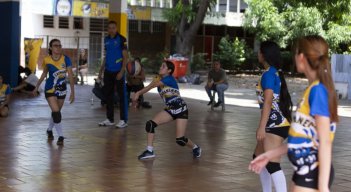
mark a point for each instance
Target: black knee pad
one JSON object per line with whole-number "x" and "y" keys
{"x": 56, "y": 117}
{"x": 150, "y": 126}
{"x": 182, "y": 141}
{"x": 273, "y": 167}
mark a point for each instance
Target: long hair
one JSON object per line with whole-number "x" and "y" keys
{"x": 271, "y": 54}
{"x": 315, "y": 49}
{"x": 50, "y": 45}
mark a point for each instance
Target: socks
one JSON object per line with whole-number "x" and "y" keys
{"x": 150, "y": 148}
{"x": 58, "y": 127}
{"x": 279, "y": 181}
{"x": 195, "y": 146}
{"x": 51, "y": 124}
{"x": 266, "y": 181}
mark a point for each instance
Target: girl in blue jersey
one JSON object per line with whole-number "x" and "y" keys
{"x": 5, "y": 91}
{"x": 56, "y": 65}
{"x": 275, "y": 103}
{"x": 313, "y": 126}
{"x": 176, "y": 109}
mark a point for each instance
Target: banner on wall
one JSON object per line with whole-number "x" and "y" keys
{"x": 90, "y": 9}
{"x": 139, "y": 13}
{"x": 32, "y": 50}
{"x": 63, "y": 7}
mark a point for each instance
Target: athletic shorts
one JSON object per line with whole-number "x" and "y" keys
{"x": 47, "y": 95}
{"x": 280, "y": 131}
{"x": 305, "y": 163}
{"x": 178, "y": 111}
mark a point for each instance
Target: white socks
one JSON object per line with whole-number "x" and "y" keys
{"x": 51, "y": 124}
{"x": 58, "y": 127}
{"x": 150, "y": 148}
{"x": 266, "y": 180}
{"x": 279, "y": 181}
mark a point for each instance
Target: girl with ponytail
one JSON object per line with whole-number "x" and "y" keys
{"x": 313, "y": 125}
{"x": 275, "y": 104}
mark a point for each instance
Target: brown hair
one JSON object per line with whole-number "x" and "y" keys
{"x": 315, "y": 49}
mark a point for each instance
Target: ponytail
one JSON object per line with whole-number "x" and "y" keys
{"x": 285, "y": 103}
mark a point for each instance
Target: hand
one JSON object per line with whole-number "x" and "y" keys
{"x": 71, "y": 98}
{"x": 260, "y": 134}
{"x": 258, "y": 163}
{"x": 209, "y": 84}
{"x": 119, "y": 76}
{"x": 135, "y": 100}
{"x": 35, "y": 92}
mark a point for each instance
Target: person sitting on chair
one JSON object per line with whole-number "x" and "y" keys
{"x": 135, "y": 83}
{"x": 217, "y": 81}
{"x": 83, "y": 65}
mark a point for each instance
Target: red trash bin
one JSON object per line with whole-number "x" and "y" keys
{"x": 180, "y": 66}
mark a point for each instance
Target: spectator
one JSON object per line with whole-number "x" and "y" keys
{"x": 29, "y": 82}
{"x": 5, "y": 91}
{"x": 83, "y": 65}
{"x": 217, "y": 81}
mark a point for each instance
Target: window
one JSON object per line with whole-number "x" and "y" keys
{"x": 48, "y": 21}
{"x": 63, "y": 22}
{"x": 158, "y": 27}
{"x": 145, "y": 26}
{"x": 133, "y": 26}
{"x": 78, "y": 23}
{"x": 98, "y": 25}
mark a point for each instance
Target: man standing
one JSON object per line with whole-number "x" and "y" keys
{"x": 217, "y": 81}
{"x": 113, "y": 68}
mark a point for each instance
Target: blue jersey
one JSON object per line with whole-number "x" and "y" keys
{"x": 4, "y": 91}
{"x": 169, "y": 91}
{"x": 114, "y": 48}
{"x": 303, "y": 136}
{"x": 56, "y": 82}
{"x": 270, "y": 80}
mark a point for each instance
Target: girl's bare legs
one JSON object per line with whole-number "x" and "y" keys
{"x": 160, "y": 118}
{"x": 180, "y": 132}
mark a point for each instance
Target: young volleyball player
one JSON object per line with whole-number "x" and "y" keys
{"x": 5, "y": 91}
{"x": 313, "y": 125}
{"x": 56, "y": 65}
{"x": 275, "y": 104}
{"x": 176, "y": 109}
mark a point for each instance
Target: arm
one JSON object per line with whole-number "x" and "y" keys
{"x": 153, "y": 84}
{"x": 223, "y": 77}
{"x": 71, "y": 82}
{"x": 261, "y": 161}
{"x": 324, "y": 151}
{"x": 124, "y": 64}
{"x": 267, "y": 106}
{"x": 41, "y": 79}
{"x": 102, "y": 68}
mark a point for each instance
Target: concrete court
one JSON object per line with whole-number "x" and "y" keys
{"x": 104, "y": 158}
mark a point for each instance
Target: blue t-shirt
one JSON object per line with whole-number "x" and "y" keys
{"x": 114, "y": 48}
{"x": 4, "y": 91}
{"x": 270, "y": 80}
{"x": 318, "y": 100}
{"x": 170, "y": 90}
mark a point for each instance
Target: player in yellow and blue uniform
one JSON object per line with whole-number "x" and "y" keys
{"x": 56, "y": 65}
{"x": 176, "y": 109}
{"x": 313, "y": 124}
{"x": 5, "y": 91}
{"x": 275, "y": 104}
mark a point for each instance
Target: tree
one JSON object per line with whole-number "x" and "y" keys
{"x": 185, "y": 19}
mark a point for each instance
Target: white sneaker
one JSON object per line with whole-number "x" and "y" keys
{"x": 106, "y": 123}
{"x": 121, "y": 124}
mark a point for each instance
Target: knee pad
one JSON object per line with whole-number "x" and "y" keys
{"x": 182, "y": 141}
{"x": 150, "y": 126}
{"x": 56, "y": 117}
{"x": 273, "y": 167}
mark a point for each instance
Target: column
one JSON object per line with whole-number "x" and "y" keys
{"x": 238, "y": 7}
{"x": 217, "y": 6}
{"x": 118, "y": 13}
{"x": 162, "y": 3}
{"x": 228, "y": 5}
{"x": 10, "y": 35}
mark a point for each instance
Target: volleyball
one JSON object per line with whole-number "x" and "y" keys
{"x": 133, "y": 68}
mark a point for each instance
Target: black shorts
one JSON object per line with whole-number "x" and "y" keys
{"x": 178, "y": 113}
{"x": 280, "y": 131}
{"x": 311, "y": 179}
{"x": 29, "y": 87}
{"x": 47, "y": 95}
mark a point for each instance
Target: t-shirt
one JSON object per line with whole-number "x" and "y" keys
{"x": 56, "y": 82}
{"x": 32, "y": 79}
{"x": 303, "y": 131}
{"x": 114, "y": 47}
{"x": 5, "y": 90}
{"x": 270, "y": 80}
{"x": 218, "y": 75}
{"x": 169, "y": 91}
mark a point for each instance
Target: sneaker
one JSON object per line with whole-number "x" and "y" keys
{"x": 197, "y": 152}
{"x": 121, "y": 124}
{"x": 50, "y": 135}
{"x": 210, "y": 103}
{"x": 106, "y": 123}
{"x": 146, "y": 155}
{"x": 218, "y": 104}
{"x": 60, "y": 140}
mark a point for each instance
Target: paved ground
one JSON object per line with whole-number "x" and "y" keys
{"x": 104, "y": 158}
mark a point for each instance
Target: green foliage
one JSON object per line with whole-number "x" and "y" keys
{"x": 284, "y": 21}
{"x": 231, "y": 54}
{"x": 152, "y": 65}
{"x": 198, "y": 62}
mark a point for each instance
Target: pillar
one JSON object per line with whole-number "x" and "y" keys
{"x": 10, "y": 35}
{"x": 118, "y": 13}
